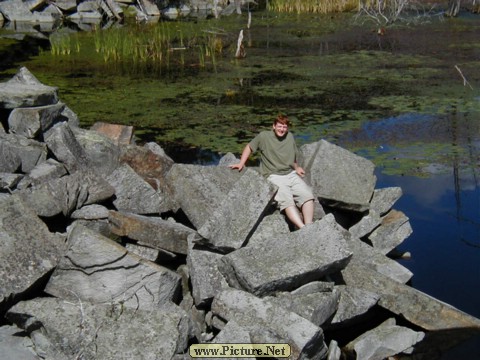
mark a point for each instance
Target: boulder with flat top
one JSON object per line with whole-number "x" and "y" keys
{"x": 338, "y": 177}
{"x": 311, "y": 253}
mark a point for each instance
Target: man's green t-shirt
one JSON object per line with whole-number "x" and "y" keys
{"x": 277, "y": 155}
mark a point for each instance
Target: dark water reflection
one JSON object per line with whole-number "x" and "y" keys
{"x": 445, "y": 244}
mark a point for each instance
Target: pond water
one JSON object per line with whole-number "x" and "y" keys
{"x": 397, "y": 99}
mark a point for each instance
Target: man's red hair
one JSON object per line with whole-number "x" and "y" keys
{"x": 282, "y": 119}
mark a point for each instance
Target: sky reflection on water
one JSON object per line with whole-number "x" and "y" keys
{"x": 445, "y": 244}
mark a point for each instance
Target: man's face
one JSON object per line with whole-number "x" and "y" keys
{"x": 280, "y": 129}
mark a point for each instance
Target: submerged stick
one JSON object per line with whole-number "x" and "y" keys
{"x": 465, "y": 82}
{"x": 240, "y": 53}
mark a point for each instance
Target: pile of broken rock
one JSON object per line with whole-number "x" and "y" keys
{"x": 111, "y": 250}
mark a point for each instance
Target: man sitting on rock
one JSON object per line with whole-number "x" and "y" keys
{"x": 278, "y": 163}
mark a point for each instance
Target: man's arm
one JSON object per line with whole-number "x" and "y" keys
{"x": 243, "y": 159}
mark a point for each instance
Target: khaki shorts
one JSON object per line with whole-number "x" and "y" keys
{"x": 292, "y": 190}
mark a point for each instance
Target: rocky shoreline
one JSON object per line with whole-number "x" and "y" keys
{"x": 111, "y": 250}
{"x": 87, "y": 14}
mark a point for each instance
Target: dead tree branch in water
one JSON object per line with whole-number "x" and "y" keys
{"x": 465, "y": 82}
{"x": 387, "y": 12}
{"x": 383, "y": 12}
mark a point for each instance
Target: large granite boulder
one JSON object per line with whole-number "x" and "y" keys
{"x": 237, "y": 215}
{"x": 199, "y": 190}
{"x": 24, "y": 89}
{"x": 78, "y": 329}
{"x": 287, "y": 262}
{"x": 33, "y": 121}
{"x": 338, "y": 177}
{"x": 28, "y": 251}
{"x": 98, "y": 270}
{"x": 275, "y": 322}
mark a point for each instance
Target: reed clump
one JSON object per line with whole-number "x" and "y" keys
{"x": 312, "y": 6}
{"x": 146, "y": 46}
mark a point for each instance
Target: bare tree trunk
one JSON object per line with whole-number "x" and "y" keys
{"x": 453, "y": 8}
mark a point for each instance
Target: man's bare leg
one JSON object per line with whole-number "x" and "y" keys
{"x": 307, "y": 211}
{"x": 294, "y": 216}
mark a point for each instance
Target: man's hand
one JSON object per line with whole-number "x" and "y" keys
{"x": 299, "y": 170}
{"x": 238, "y": 166}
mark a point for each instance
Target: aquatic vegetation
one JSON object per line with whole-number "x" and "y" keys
{"x": 64, "y": 43}
{"x": 145, "y": 48}
{"x": 312, "y": 6}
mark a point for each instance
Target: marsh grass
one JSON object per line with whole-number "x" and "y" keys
{"x": 64, "y": 44}
{"x": 312, "y": 6}
{"x": 150, "y": 47}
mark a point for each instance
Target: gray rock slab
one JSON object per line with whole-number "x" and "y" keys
{"x": 43, "y": 172}
{"x": 67, "y": 194}
{"x": 91, "y": 212}
{"x": 14, "y": 346}
{"x": 133, "y": 194}
{"x": 384, "y": 341}
{"x": 152, "y": 231}
{"x": 415, "y": 306}
{"x": 103, "y": 154}
{"x": 199, "y": 190}
{"x": 334, "y": 351}
{"x": 143, "y": 251}
{"x": 384, "y": 199}
{"x": 315, "y": 307}
{"x": 61, "y": 141}
{"x": 24, "y": 154}
{"x": 10, "y": 161}
{"x": 66, "y": 5}
{"x": 232, "y": 333}
{"x": 393, "y": 230}
{"x": 237, "y": 215}
{"x": 158, "y": 150}
{"x": 289, "y": 261}
{"x": 33, "y": 121}
{"x": 314, "y": 287}
{"x": 16, "y": 11}
{"x": 228, "y": 159}
{"x": 28, "y": 250}
{"x": 353, "y": 303}
{"x": 338, "y": 176}
{"x": 9, "y": 181}
{"x": 24, "y": 89}
{"x": 99, "y": 270}
{"x": 306, "y": 339}
{"x": 206, "y": 278}
{"x": 70, "y": 116}
{"x": 100, "y": 226}
{"x": 270, "y": 227}
{"x": 82, "y": 330}
{"x": 366, "y": 225}
{"x": 80, "y": 149}
{"x": 149, "y": 8}
{"x": 374, "y": 258}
